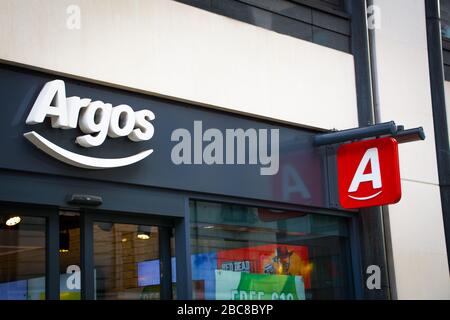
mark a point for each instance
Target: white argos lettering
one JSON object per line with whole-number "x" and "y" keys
{"x": 52, "y": 91}
{"x": 96, "y": 120}
{"x": 74, "y": 105}
{"x": 125, "y": 114}
{"x": 144, "y": 129}
{"x": 370, "y": 156}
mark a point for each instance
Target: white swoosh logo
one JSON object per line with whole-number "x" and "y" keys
{"x": 365, "y": 198}
{"x": 79, "y": 160}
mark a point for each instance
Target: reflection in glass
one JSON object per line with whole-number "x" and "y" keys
{"x": 22, "y": 257}
{"x": 247, "y": 253}
{"x": 445, "y": 19}
{"x": 69, "y": 255}
{"x": 126, "y": 258}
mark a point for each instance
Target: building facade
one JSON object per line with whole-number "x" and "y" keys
{"x": 179, "y": 161}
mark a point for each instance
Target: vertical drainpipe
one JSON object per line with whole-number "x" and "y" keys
{"x": 371, "y": 226}
{"x": 440, "y": 121}
{"x": 377, "y": 117}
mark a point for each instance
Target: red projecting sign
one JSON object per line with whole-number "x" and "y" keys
{"x": 368, "y": 173}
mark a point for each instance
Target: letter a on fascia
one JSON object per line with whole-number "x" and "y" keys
{"x": 53, "y": 91}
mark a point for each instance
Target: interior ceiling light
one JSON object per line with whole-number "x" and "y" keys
{"x": 144, "y": 232}
{"x": 12, "y": 221}
{"x": 144, "y": 236}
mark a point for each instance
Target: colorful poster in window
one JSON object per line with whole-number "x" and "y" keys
{"x": 231, "y": 285}
{"x": 268, "y": 261}
{"x": 273, "y": 259}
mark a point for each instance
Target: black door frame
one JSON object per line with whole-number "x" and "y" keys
{"x": 89, "y": 216}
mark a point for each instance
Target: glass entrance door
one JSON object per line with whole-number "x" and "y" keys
{"x": 46, "y": 253}
{"x": 127, "y": 258}
{"x": 126, "y": 261}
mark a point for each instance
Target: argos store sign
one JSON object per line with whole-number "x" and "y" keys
{"x": 96, "y": 119}
{"x": 67, "y": 128}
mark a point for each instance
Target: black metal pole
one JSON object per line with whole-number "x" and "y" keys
{"x": 165, "y": 263}
{"x": 387, "y": 128}
{"x": 52, "y": 266}
{"x": 87, "y": 257}
{"x": 183, "y": 256}
{"x": 410, "y": 135}
{"x": 441, "y": 133}
{"x": 371, "y": 226}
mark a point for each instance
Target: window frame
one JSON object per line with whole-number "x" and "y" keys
{"x": 320, "y": 5}
{"x": 354, "y": 273}
{"x": 310, "y": 21}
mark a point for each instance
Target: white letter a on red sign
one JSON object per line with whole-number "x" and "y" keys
{"x": 371, "y": 156}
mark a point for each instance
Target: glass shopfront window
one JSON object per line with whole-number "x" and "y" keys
{"x": 445, "y": 19}
{"x": 22, "y": 256}
{"x": 248, "y": 253}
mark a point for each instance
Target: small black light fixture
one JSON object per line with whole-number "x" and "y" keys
{"x": 84, "y": 199}
{"x": 144, "y": 232}
{"x": 64, "y": 241}
{"x": 105, "y": 226}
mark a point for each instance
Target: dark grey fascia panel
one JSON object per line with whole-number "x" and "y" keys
{"x": 286, "y": 8}
{"x": 331, "y": 39}
{"x": 31, "y": 188}
{"x": 299, "y": 159}
{"x": 263, "y": 18}
{"x": 331, "y": 22}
